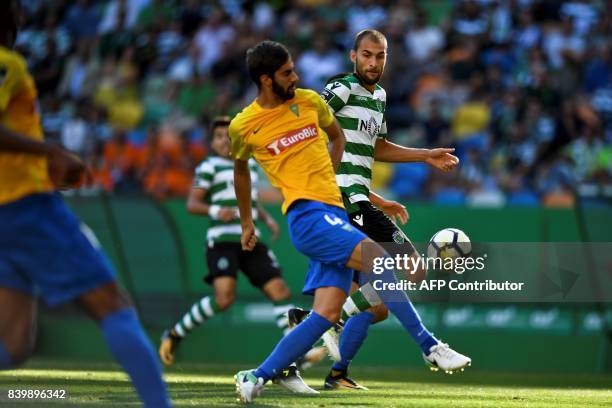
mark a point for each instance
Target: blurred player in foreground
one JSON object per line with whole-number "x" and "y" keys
{"x": 212, "y": 195}
{"x": 283, "y": 130}
{"x": 44, "y": 249}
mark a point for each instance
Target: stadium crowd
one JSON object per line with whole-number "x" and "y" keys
{"x": 521, "y": 88}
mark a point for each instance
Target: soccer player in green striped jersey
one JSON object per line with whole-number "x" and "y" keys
{"x": 213, "y": 195}
{"x": 358, "y": 103}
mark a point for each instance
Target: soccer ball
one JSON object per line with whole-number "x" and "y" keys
{"x": 449, "y": 243}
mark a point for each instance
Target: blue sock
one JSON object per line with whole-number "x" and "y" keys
{"x": 293, "y": 345}
{"x": 410, "y": 319}
{"x": 354, "y": 333}
{"x": 399, "y": 304}
{"x": 5, "y": 358}
{"x": 132, "y": 349}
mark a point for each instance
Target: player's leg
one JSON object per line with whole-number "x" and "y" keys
{"x": 110, "y": 307}
{"x": 343, "y": 348}
{"x": 58, "y": 254}
{"x": 209, "y": 306}
{"x": 326, "y": 311}
{"x": 223, "y": 261}
{"x": 377, "y": 226}
{"x": 201, "y": 311}
{"x": 18, "y": 304}
{"x": 353, "y": 335}
{"x": 380, "y": 228}
{"x": 396, "y": 301}
{"x": 17, "y": 327}
{"x": 71, "y": 266}
{"x": 279, "y": 294}
{"x": 435, "y": 353}
{"x": 263, "y": 271}
{"x": 319, "y": 232}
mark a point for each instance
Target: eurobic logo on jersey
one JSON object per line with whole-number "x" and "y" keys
{"x": 292, "y": 138}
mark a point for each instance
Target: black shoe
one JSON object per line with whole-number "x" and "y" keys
{"x": 296, "y": 316}
{"x": 341, "y": 381}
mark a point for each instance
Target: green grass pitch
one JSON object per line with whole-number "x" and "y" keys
{"x": 103, "y": 385}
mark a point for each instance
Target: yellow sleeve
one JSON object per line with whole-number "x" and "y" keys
{"x": 240, "y": 150}
{"x": 326, "y": 117}
{"x": 12, "y": 75}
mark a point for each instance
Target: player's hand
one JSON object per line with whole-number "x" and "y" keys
{"x": 248, "y": 239}
{"x": 65, "y": 168}
{"x": 395, "y": 211}
{"x": 227, "y": 214}
{"x": 442, "y": 159}
{"x": 273, "y": 227}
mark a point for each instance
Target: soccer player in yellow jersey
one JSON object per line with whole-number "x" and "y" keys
{"x": 43, "y": 247}
{"x": 283, "y": 130}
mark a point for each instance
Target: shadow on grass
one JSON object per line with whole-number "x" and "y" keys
{"x": 191, "y": 372}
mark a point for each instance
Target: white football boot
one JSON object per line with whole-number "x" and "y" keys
{"x": 291, "y": 380}
{"x": 442, "y": 357}
{"x": 248, "y": 387}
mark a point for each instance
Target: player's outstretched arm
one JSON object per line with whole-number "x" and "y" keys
{"x": 393, "y": 209}
{"x": 338, "y": 141}
{"x": 242, "y": 186}
{"x": 440, "y": 158}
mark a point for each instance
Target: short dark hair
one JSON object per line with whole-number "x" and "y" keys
{"x": 219, "y": 121}
{"x": 266, "y": 58}
{"x": 374, "y": 35}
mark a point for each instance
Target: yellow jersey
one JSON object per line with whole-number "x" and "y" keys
{"x": 289, "y": 144}
{"x": 20, "y": 174}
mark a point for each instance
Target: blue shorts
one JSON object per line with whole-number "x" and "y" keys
{"x": 323, "y": 233}
{"x": 44, "y": 250}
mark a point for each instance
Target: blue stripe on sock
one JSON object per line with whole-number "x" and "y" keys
{"x": 132, "y": 349}
{"x": 354, "y": 333}
{"x": 5, "y": 358}
{"x": 293, "y": 345}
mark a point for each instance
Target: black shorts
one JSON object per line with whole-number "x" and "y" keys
{"x": 378, "y": 227}
{"x": 226, "y": 258}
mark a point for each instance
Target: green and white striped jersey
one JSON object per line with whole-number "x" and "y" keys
{"x": 360, "y": 113}
{"x": 216, "y": 175}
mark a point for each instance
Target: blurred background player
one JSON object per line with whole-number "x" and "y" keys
{"x": 358, "y": 103}
{"x": 43, "y": 250}
{"x": 281, "y": 128}
{"x": 212, "y": 195}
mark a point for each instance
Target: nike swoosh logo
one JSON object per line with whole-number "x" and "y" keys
{"x": 335, "y": 85}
